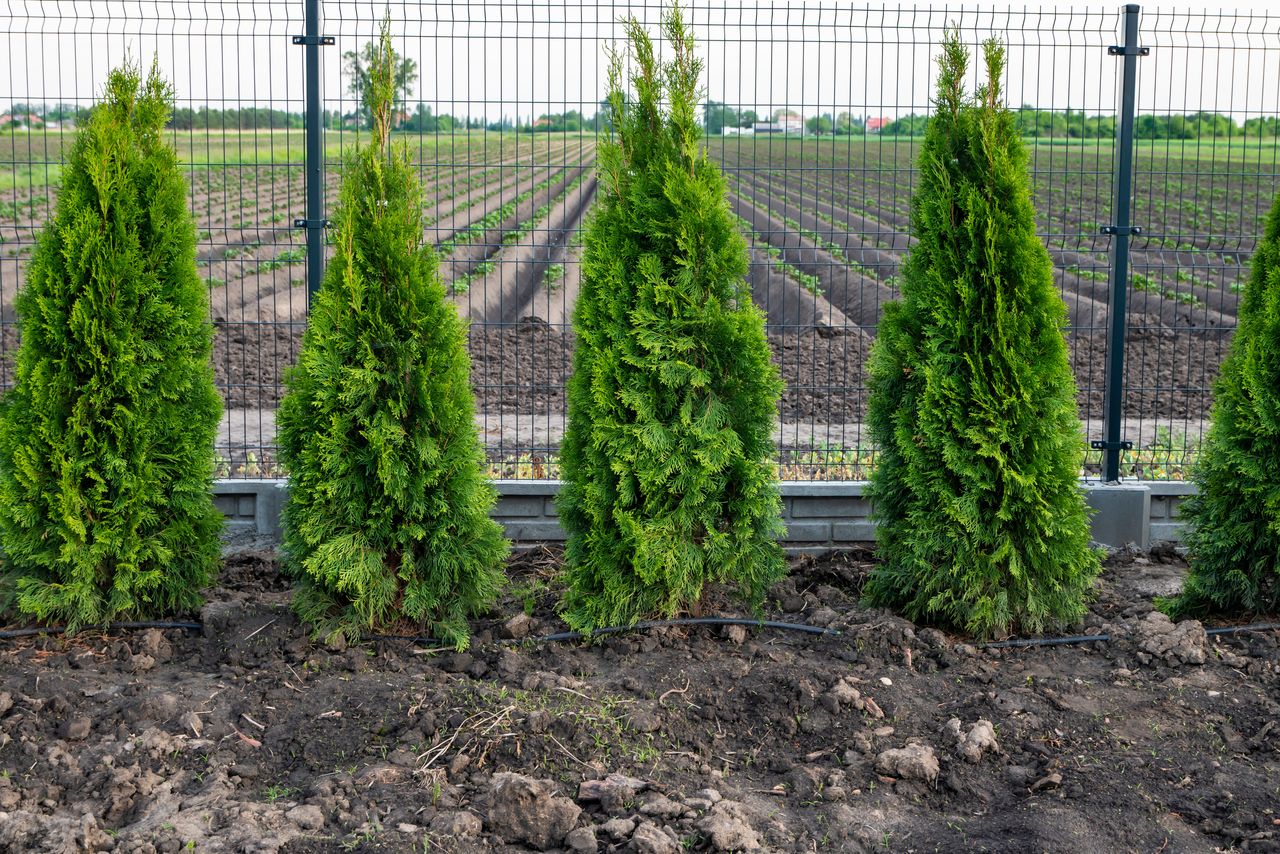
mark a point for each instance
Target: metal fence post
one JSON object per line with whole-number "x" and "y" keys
{"x": 314, "y": 222}
{"x": 1121, "y": 230}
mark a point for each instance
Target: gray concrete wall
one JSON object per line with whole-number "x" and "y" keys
{"x": 818, "y": 515}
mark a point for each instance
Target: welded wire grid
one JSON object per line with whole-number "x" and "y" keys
{"x": 814, "y": 112}
{"x": 237, "y": 128}
{"x": 1202, "y": 188}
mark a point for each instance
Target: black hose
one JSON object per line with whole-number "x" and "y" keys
{"x": 685, "y": 621}
{"x": 1021, "y": 642}
{"x": 1235, "y": 630}
{"x": 113, "y": 627}
{"x": 1025, "y": 642}
{"x": 569, "y": 637}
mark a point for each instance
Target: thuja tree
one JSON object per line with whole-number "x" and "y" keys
{"x": 1234, "y": 537}
{"x": 981, "y": 521}
{"x": 106, "y": 442}
{"x": 672, "y": 398}
{"x": 387, "y": 516}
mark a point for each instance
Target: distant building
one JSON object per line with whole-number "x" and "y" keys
{"x": 26, "y": 120}
{"x": 729, "y": 130}
{"x": 877, "y": 124}
{"x": 786, "y": 123}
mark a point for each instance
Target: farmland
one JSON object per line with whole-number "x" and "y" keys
{"x": 827, "y": 222}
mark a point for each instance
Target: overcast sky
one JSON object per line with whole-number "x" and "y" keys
{"x": 526, "y": 58}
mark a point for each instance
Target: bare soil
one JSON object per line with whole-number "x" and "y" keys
{"x": 248, "y": 736}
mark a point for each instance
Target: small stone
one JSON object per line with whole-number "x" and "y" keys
{"x": 619, "y": 828}
{"x": 703, "y": 800}
{"x": 974, "y": 744}
{"x": 886, "y": 681}
{"x": 306, "y": 817}
{"x": 458, "y": 764}
{"x": 648, "y": 839}
{"x": 824, "y": 617}
{"x": 645, "y": 720}
{"x": 457, "y": 825}
{"x": 912, "y": 762}
{"x": 459, "y": 662}
{"x": 1215, "y": 693}
{"x": 882, "y": 731}
{"x": 1049, "y": 781}
{"x": 661, "y": 806}
{"x": 616, "y": 793}
{"x": 524, "y": 809}
{"x": 6, "y": 702}
{"x": 191, "y": 721}
{"x": 406, "y": 828}
{"x": 141, "y": 663}
{"x": 582, "y": 841}
{"x": 518, "y": 627}
{"x": 77, "y": 728}
{"x": 845, "y": 693}
{"x": 736, "y": 634}
{"x": 728, "y": 828}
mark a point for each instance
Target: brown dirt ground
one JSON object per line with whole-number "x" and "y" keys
{"x": 250, "y": 737}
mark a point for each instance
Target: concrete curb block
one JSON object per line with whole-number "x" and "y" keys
{"x": 819, "y": 515}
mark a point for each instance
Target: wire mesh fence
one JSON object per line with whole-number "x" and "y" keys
{"x": 815, "y": 113}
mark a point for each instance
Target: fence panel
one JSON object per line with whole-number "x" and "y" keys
{"x": 815, "y": 113}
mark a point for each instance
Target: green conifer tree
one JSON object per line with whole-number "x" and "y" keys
{"x": 672, "y": 398}
{"x": 981, "y": 521}
{"x": 1233, "y": 540}
{"x": 106, "y": 442}
{"x": 388, "y": 506}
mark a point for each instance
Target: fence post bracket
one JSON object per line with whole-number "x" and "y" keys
{"x": 1125, "y": 50}
{"x": 323, "y": 41}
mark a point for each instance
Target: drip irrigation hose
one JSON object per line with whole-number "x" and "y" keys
{"x": 112, "y": 627}
{"x": 569, "y": 637}
{"x": 1104, "y": 638}
{"x": 1063, "y": 641}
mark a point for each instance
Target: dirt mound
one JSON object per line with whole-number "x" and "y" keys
{"x": 886, "y": 736}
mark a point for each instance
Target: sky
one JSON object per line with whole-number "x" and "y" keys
{"x": 523, "y": 59}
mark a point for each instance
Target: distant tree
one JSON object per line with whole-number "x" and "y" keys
{"x": 666, "y": 454}
{"x": 909, "y": 125}
{"x": 719, "y": 116}
{"x": 1266, "y": 126}
{"x": 819, "y": 125}
{"x": 1233, "y": 542}
{"x": 748, "y": 118}
{"x": 849, "y": 125}
{"x": 981, "y": 521}
{"x": 387, "y": 517}
{"x": 357, "y": 66}
{"x": 106, "y": 442}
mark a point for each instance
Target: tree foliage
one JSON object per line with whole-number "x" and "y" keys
{"x": 1233, "y": 540}
{"x": 672, "y": 397}
{"x": 388, "y": 507}
{"x": 106, "y": 442}
{"x": 982, "y": 523}
{"x": 359, "y": 67}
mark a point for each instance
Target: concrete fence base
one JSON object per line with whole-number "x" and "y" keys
{"x": 819, "y": 516}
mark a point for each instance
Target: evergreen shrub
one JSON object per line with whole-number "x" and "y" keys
{"x": 672, "y": 399}
{"x": 1233, "y": 538}
{"x": 106, "y": 442}
{"x": 387, "y": 517}
{"x": 982, "y": 524}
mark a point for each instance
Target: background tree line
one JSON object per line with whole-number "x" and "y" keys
{"x": 1031, "y": 122}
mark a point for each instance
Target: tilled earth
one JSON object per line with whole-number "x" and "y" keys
{"x": 888, "y": 736}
